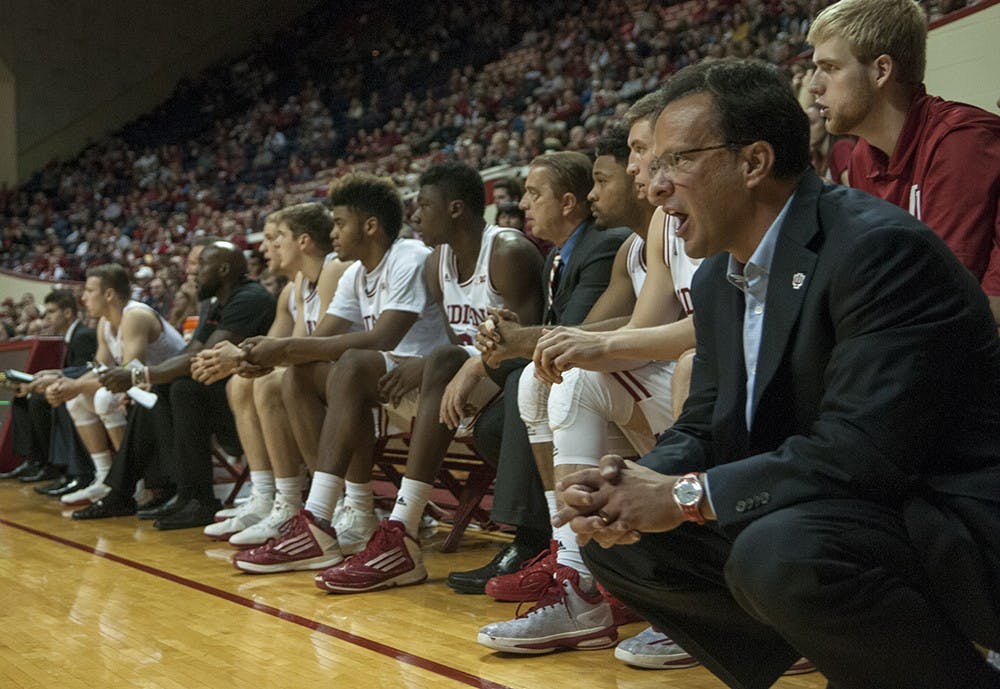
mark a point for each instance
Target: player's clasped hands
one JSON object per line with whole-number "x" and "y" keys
{"x": 492, "y": 338}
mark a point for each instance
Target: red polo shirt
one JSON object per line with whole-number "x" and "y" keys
{"x": 945, "y": 170}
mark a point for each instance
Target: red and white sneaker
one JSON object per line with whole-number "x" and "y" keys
{"x": 566, "y": 617}
{"x": 301, "y": 544}
{"x": 528, "y": 583}
{"x": 391, "y": 558}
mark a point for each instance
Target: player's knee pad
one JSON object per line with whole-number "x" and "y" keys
{"x": 533, "y": 402}
{"x": 580, "y": 391}
{"x": 107, "y": 405}
{"x": 81, "y": 410}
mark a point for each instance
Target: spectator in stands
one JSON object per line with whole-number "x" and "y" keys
{"x": 510, "y": 215}
{"x": 938, "y": 159}
{"x": 159, "y": 299}
{"x": 790, "y": 443}
{"x": 33, "y": 418}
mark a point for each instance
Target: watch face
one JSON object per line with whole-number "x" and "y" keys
{"x": 688, "y": 492}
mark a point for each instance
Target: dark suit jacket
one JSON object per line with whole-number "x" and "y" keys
{"x": 878, "y": 378}
{"x": 82, "y": 346}
{"x": 586, "y": 276}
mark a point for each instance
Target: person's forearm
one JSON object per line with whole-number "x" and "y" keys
{"x": 302, "y": 350}
{"x": 662, "y": 343}
{"x": 605, "y": 325}
{"x": 521, "y": 342}
{"x": 172, "y": 368}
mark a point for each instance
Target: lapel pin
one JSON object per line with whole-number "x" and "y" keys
{"x": 798, "y": 280}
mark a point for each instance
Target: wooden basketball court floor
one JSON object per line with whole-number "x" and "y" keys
{"x": 116, "y": 603}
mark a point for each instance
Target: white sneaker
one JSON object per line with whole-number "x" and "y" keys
{"x": 354, "y": 529}
{"x": 428, "y": 527}
{"x": 249, "y": 513}
{"x": 565, "y": 617}
{"x": 266, "y": 528}
{"x": 338, "y": 510}
{"x": 97, "y": 490}
{"x": 653, "y": 650}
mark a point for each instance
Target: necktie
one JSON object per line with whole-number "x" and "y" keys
{"x": 554, "y": 274}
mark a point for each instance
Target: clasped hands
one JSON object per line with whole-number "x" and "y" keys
{"x": 224, "y": 359}
{"x": 616, "y": 502}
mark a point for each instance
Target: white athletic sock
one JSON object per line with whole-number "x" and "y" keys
{"x": 410, "y": 503}
{"x": 323, "y": 494}
{"x": 290, "y": 489}
{"x": 263, "y": 483}
{"x": 102, "y": 465}
{"x": 550, "y": 500}
{"x": 359, "y": 497}
{"x": 568, "y": 552}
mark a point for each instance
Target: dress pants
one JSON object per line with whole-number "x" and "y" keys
{"x": 836, "y": 581}
{"x": 199, "y": 412}
{"x": 31, "y": 419}
{"x": 501, "y": 437}
{"x": 147, "y": 448}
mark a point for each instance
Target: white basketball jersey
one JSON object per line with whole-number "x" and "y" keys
{"x": 636, "y": 263}
{"x": 162, "y": 348}
{"x": 682, "y": 266}
{"x": 396, "y": 284}
{"x": 465, "y": 303}
{"x": 310, "y": 301}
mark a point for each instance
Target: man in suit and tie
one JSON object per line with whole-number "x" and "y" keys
{"x": 38, "y": 430}
{"x": 831, "y": 488}
{"x": 575, "y": 275}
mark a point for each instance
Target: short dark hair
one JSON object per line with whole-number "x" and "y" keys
{"x": 460, "y": 182}
{"x": 753, "y": 102}
{"x": 512, "y": 185}
{"x": 112, "y": 276}
{"x": 614, "y": 142}
{"x": 313, "y": 219}
{"x": 367, "y": 194}
{"x": 63, "y": 299}
{"x": 510, "y": 208}
{"x": 569, "y": 172}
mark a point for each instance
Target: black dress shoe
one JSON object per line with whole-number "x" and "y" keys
{"x": 52, "y": 485}
{"x": 46, "y": 472}
{"x": 508, "y": 560}
{"x": 191, "y": 514}
{"x": 108, "y": 507}
{"x": 74, "y": 483}
{"x": 26, "y": 467}
{"x": 160, "y": 510}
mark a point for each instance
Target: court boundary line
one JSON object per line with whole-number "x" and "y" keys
{"x": 363, "y": 642}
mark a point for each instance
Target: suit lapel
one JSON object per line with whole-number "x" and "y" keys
{"x": 789, "y": 281}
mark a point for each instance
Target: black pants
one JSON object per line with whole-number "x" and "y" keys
{"x": 45, "y": 435}
{"x": 147, "y": 449}
{"x": 31, "y": 419}
{"x": 200, "y": 411}
{"x": 502, "y": 438}
{"x": 837, "y": 582}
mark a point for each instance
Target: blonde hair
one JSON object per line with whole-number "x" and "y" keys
{"x": 897, "y": 28}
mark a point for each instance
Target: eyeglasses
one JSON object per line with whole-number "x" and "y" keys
{"x": 680, "y": 161}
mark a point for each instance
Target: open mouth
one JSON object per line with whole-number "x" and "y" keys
{"x": 680, "y": 222}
